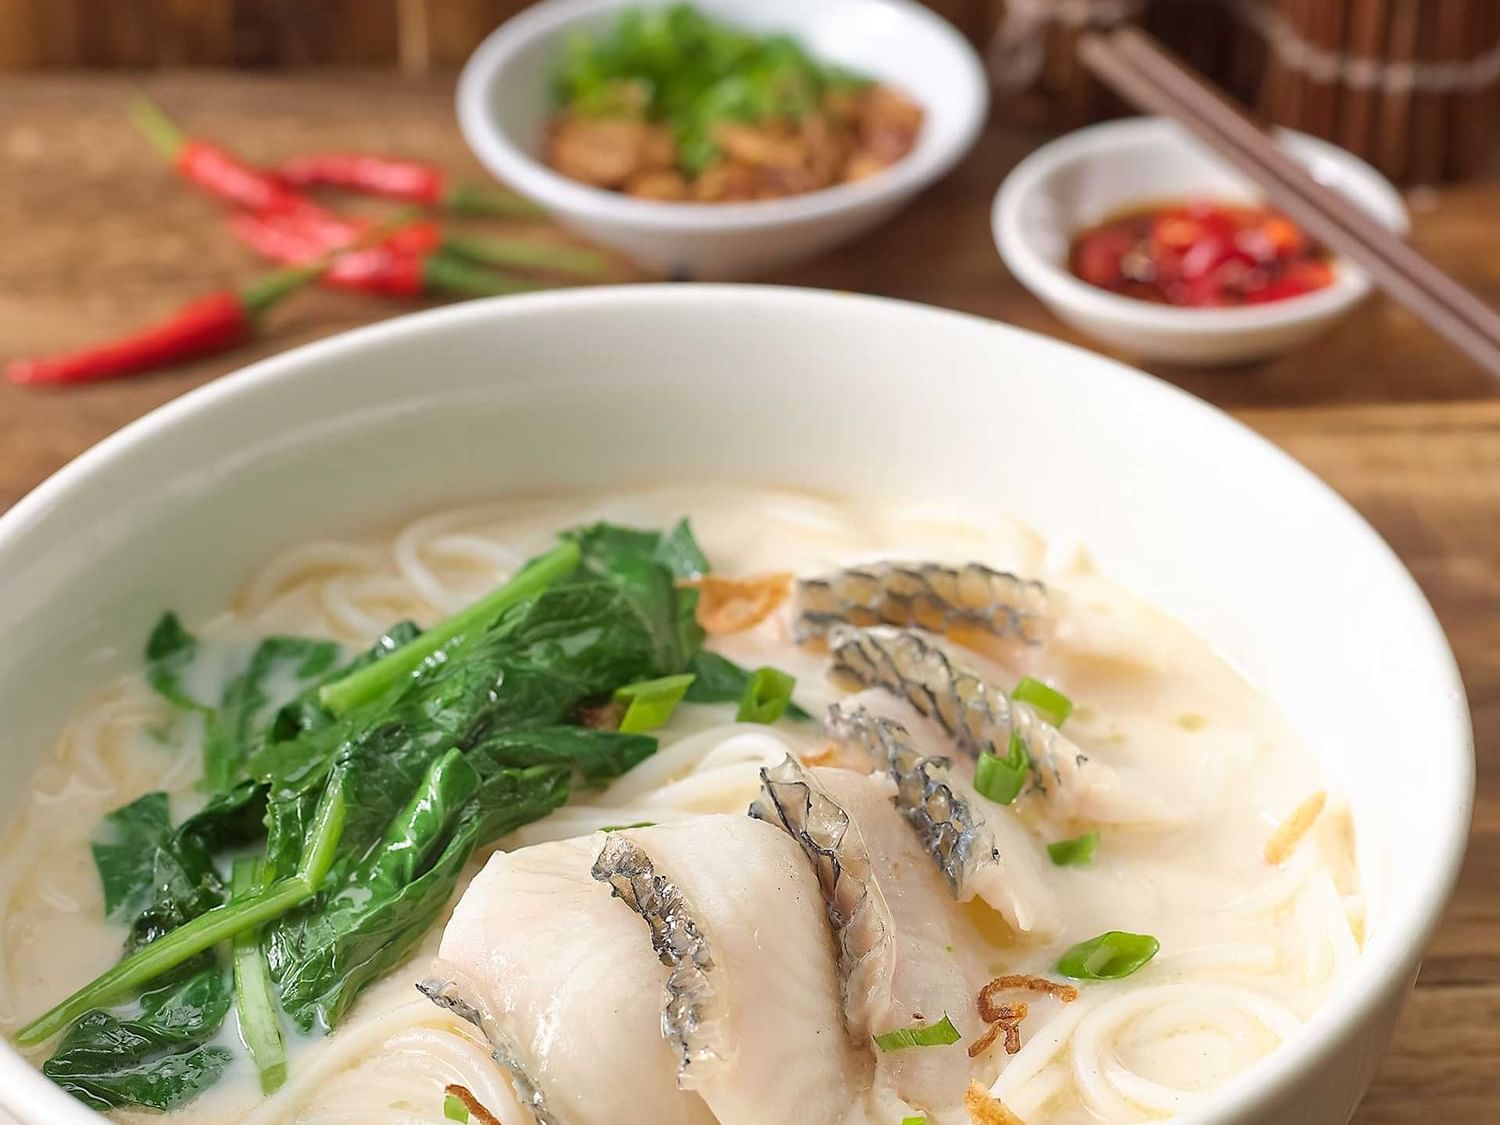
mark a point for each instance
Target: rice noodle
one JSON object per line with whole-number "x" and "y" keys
{"x": 1115, "y": 1092}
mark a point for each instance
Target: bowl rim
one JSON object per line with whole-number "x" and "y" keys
{"x": 1055, "y": 284}
{"x": 1386, "y": 965}
{"x": 512, "y": 163}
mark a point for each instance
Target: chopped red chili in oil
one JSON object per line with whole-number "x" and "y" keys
{"x": 1201, "y": 254}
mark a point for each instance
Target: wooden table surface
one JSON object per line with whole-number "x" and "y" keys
{"x": 97, "y": 235}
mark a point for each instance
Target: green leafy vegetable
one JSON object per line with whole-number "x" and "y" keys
{"x": 1048, "y": 702}
{"x": 156, "y": 1056}
{"x": 594, "y": 756}
{"x": 260, "y": 1027}
{"x": 1002, "y": 779}
{"x": 530, "y": 669}
{"x": 939, "y": 1034}
{"x": 366, "y": 790}
{"x": 645, "y": 565}
{"x": 675, "y": 65}
{"x": 272, "y": 674}
{"x": 454, "y": 1108}
{"x": 155, "y": 1050}
{"x": 766, "y": 697}
{"x": 651, "y": 702}
{"x": 155, "y": 877}
{"x": 170, "y": 651}
{"x": 126, "y": 850}
{"x": 324, "y": 955}
{"x": 182, "y": 944}
{"x": 305, "y": 713}
{"x": 278, "y": 668}
{"x": 1077, "y": 852}
{"x": 1110, "y": 956}
{"x": 719, "y": 680}
{"x": 369, "y": 682}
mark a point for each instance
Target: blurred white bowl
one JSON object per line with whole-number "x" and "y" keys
{"x": 1086, "y": 176}
{"x": 503, "y": 105}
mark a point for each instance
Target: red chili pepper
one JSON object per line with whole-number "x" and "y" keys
{"x": 317, "y": 231}
{"x": 414, "y": 181}
{"x": 291, "y": 238}
{"x": 408, "y": 263}
{"x": 212, "y": 167}
{"x": 206, "y": 326}
{"x": 295, "y": 238}
{"x": 1202, "y": 253}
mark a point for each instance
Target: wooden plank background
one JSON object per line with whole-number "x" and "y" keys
{"x": 1409, "y": 135}
{"x": 291, "y": 33}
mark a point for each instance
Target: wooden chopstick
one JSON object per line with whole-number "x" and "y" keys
{"x": 1150, "y": 57}
{"x": 1140, "y": 70}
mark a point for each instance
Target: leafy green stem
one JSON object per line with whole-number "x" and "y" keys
{"x": 202, "y": 932}
{"x": 259, "y": 1025}
{"x": 323, "y": 837}
{"x": 373, "y": 680}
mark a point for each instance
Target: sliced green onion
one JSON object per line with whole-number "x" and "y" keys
{"x": 371, "y": 681}
{"x": 624, "y": 827}
{"x": 260, "y": 1027}
{"x": 919, "y": 1120}
{"x": 938, "y": 1034}
{"x": 766, "y": 697}
{"x": 1110, "y": 956}
{"x": 1048, "y": 702}
{"x": 651, "y": 701}
{"x": 454, "y": 1108}
{"x": 1002, "y": 779}
{"x": 1077, "y": 852}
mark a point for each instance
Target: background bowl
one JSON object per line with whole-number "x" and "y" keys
{"x": 877, "y": 399}
{"x": 1086, "y": 176}
{"x": 503, "y": 104}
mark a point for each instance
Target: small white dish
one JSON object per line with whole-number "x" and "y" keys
{"x": 1086, "y": 176}
{"x": 503, "y": 105}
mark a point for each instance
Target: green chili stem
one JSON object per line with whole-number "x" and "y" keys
{"x": 445, "y": 273}
{"x": 259, "y": 295}
{"x": 526, "y": 253}
{"x": 371, "y": 681}
{"x": 481, "y": 199}
{"x": 160, "y": 129}
{"x": 267, "y": 290}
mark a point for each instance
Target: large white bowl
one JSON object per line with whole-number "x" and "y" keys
{"x": 503, "y": 104}
{"x": 777, "y": 386}
{"x": 1088, "y": 175}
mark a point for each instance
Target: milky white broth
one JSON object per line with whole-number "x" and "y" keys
{"x": 1248, "y": 949}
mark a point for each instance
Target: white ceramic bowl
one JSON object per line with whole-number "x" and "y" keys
{"x": 614, "y": 386}
{"x": 1085, "y": 176}
{"x": 503, "y": 104}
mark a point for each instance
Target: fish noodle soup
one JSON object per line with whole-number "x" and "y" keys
{"x": 695, "y": 804}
